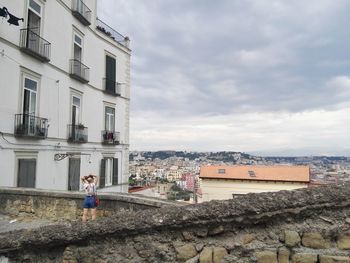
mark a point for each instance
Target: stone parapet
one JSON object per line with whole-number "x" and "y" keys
{"x": 305, "y": 225}
{"x": 54, "y": 204}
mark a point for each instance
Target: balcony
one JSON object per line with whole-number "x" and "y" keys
{"x": 27, "y": 125}
{"x": 77, "y": 133}
{"x": 81, "y": 12}
{"x": 32, "y": 44}
{"x": 110, "y": 137}
{"x": 111, "y": 87}
{"x": 79, "y": 71}
{"x": 111, "y": 33}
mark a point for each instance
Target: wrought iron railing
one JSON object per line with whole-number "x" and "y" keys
{"x": 110, "y": 137}
{"x": 33, "y": 44}
{"x": 77, "y": 133}
{"x": 79, "y": 71}
{"x": 31, "y": 126}
{"x": 81, "y": 12}
{"x": 113, "y": 34}
{"x": 111, "y": 87}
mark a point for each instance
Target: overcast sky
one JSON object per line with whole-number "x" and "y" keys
{"x": 258, "y": 76}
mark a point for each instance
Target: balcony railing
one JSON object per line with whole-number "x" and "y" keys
{"x": 34, "y": 45}
{"x": 81, "y": 12}
{"x": 77, "y": 133}
{"x": 111, "y": 87}
{"x": 79, "y": 71}
{"x": 113, "y": 34}
{"x": 27, "y": 125}
{"x": 110, "y": 137}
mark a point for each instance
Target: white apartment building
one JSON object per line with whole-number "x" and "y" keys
{"x": 64, "y": 96}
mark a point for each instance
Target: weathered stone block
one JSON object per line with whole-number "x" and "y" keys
{"x": 216, "y": 230}
{"x": 304, "y": 258}
{"x": 206, "y": 255}
{"x": 193, "y": 260}
{"x": 188, "y": 236}
{"x": 291, "y": 238}
{"x": 343, "y": 242}
{"x": 283, "y": 255}
{"x": 218, "y": 254}
{"x": 199, "y": 247}
{"x": 202, "y": 232}
{"x": 185, "y": 252}
{"x": 314, "y": 240}
{"x": 266, "y": 257}
{"x": 334, "y": 259}
{"x": 248, "y": 238}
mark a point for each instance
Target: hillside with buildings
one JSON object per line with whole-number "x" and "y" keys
{"x": 156, "y": 170}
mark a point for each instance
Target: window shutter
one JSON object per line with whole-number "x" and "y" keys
{"x": 115, "y": 171}
{"x": 110, "y": 74}
{"x": 103, "y": 174}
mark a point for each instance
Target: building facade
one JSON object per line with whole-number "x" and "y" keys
{"x": 222, "y": 182}
{"x": 65, "y": 93}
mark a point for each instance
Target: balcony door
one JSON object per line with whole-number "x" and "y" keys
{"x": 34, "y": 26}
{"x": 109, "y": 119}
{"x": 77, "y": 48}
{"x": 77, "y": 56}
{"x": 80, "y": 6}
{"x": 76, "y": 110}
{"x": 75, "y": 118}
{"x": 29, "y": 105}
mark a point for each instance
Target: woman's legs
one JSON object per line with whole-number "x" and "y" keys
{"x": 93, "y": 213}
{"x": 85, "y": 214}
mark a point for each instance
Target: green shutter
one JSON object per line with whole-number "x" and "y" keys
{"x": 110, "y": 74}
{"x": 103, "y": 174}
{"x": 115, "y": 171}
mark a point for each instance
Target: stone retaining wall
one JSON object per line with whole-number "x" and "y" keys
{"x": 68, "y": 205}
{"x": 301, "y": 226}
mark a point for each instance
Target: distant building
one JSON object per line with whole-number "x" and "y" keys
{"x": 188, "y": 178}
{"x": 221, "y": 182}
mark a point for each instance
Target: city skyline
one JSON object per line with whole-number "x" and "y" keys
{"x": 262, "y": 77}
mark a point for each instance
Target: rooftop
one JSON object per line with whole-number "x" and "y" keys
{"x": 257, "y": 173}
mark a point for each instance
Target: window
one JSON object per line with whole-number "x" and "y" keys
{"x": 33, "y": 5}
{"x": 26, "y": 169}
{"x": 76, "y": 110}
{"x": 251, "y": 173}
{"x": 109, "y": 119}
{"x": 26, "y": 173}
{"x": 222, "y": 171}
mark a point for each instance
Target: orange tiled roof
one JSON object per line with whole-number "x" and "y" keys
{"x": 260, "y": 173}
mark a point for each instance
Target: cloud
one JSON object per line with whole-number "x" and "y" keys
{"x": 204, "y": 61}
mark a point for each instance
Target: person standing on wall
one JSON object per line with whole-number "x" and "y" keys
{"x": 89, "y": 182}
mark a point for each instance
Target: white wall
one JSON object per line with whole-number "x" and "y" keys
{"x": 55, "y": 91}
{"x": 223, "y": 189}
